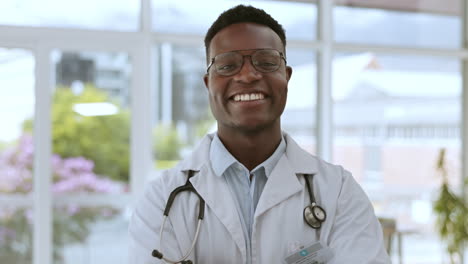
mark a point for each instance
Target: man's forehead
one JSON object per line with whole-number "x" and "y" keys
{"x": 244, "y": 36}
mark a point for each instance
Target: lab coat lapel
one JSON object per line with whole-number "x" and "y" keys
{"x": 281, "y": 184}
{"x": 218, "y": 198}
{"x": 283, "y": 181}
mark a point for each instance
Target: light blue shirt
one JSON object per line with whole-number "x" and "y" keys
{"x": 246, "y": 193}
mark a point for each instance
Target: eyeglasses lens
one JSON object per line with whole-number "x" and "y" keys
{"x": 266, "y": 60}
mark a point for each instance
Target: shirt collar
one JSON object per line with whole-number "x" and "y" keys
{"x": 221, "y": 158}
{"x": 270, "y": 163}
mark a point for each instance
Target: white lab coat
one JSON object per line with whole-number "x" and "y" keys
{"x": 351, "y": 229}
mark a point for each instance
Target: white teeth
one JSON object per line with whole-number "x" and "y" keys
{"x": 248, "y": 97}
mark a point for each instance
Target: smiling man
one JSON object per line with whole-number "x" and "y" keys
{"x": 247, "y": 81}
{"x": 249, "y": 193}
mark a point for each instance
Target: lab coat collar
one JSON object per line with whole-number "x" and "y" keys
{"x": 282, "y": 184}
{"x": 199, "y": 157}
{"x": 300, "y": 161}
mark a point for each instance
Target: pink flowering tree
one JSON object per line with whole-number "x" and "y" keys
{"x": 71, "y": 223}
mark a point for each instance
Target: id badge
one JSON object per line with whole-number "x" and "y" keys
{"x": 315, "y": 253}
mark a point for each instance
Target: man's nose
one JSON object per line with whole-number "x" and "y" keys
{"x": 247, "y": 72}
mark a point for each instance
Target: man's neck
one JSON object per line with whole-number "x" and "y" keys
{"x": 251, "y": 149}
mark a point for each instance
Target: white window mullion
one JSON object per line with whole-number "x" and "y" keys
{"x": 324, "y": 86}
{"x": 141, "y": 84}
{"x": 464, "y": 114}
{"x": 140, "y": 141}
{"x": 145, "y": 16}
{"x": 166, "y": 82}
{"x": 42, "y": 234}
{"x": 464, "y": 138}
{"x": 411, "y": 51}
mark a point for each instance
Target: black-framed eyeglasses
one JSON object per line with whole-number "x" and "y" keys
{"x": 230, "y": 63}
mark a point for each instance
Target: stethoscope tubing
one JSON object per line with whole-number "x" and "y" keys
{"x": 310, "y": 190}
{"x": 201, "y": 213}
{"x": 197, "y": 232}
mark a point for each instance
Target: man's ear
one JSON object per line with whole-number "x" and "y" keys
{"x": 205, "y": 80}
{"x": 288, "y": 72}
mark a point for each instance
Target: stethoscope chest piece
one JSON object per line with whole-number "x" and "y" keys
{"x": 314, "y": 215}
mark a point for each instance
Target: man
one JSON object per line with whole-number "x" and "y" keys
{"x": 260, "y": 189}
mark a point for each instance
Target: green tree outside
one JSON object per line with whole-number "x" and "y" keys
{"x": 102, "y": 139}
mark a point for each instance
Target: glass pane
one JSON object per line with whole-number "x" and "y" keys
{"x": 172, "y": 16}
{"x": 119, "y": 15}
{"x": 16, "y": 115}
{"x": 16, "y": 235}
{"x": 399, "y": 23}
{"x": 91, "y": 235}
{"x": 298, "y": 118}
{"x": 91, "y": 122}
{"x": 183, "y": 114}
{"x": 393, "y": 116}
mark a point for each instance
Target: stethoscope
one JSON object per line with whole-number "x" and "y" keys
{"x": 314, "y": 216}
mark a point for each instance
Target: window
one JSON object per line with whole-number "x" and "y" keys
{"x": 16, "y": 155}
{"x": 433, "y": 24}
{"x": 386, "y": 115}
{"x": 118, "y": 15}
{"x": 172, "y": 16}
{"x": 90, "y": 155}
{"x": 298, "y": 119}
{"x": 182, "y": 114}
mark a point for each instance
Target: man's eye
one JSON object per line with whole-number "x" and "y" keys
{"x": 225, "y": 67}
{"x": 266, "y": 63}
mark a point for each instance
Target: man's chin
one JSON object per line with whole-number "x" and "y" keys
{"x": 255, "y": 126}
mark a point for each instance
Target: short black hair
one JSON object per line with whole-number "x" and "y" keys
{"x": 243, "y": 14}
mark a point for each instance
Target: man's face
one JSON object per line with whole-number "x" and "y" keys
{"x": 228, "y": 94}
